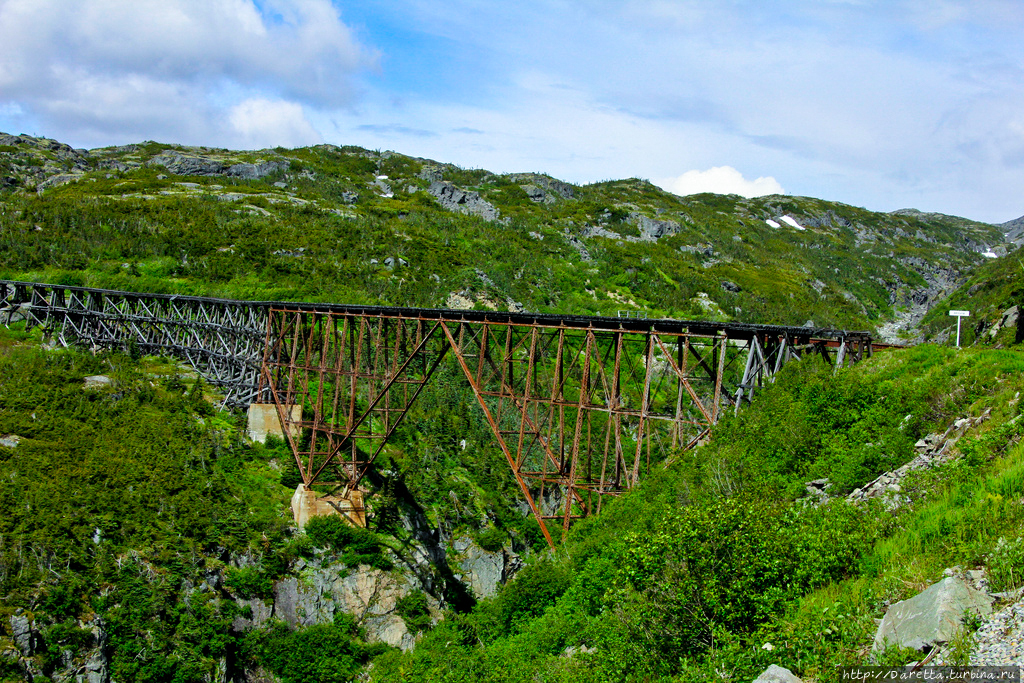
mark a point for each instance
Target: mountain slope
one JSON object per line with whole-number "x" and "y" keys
{"x": 348, "y": 224}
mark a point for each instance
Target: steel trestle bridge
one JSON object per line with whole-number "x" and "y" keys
{"x": 580, "y": 406}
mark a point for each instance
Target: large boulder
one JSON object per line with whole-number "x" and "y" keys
{"x": 454, "y": 198}
{"x": 932, "y": 616}
{"x": 777, "y": 674}
{"x": 187, "y": 164}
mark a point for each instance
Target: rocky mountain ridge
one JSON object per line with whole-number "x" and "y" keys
{"x": 770, "y": 259}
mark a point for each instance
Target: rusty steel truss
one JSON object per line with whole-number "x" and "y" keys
{"x": 581, "y": 407}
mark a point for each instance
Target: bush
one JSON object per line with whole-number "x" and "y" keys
{"x": 1006, "y": 564}
{"x": 355, "y": 546}
{"x": 249, "y": 582}
{"x": 414, "y": 612}
{"x": 324, "y": 653}
{"x": 492, "y": 540}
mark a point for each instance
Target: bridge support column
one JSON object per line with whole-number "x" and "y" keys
{"x": 307, "y": 504}
{"x": 264, "y": 420}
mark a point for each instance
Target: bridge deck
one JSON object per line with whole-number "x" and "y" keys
{"x": 733, "y": 330}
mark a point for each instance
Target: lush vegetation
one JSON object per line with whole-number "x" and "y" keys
{"x": 123, "y": 508}
{"x": 142, "y": 527}
{"x": 711, "y": 570}
{"x": 131, "y": 507}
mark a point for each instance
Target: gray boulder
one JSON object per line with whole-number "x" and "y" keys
{"x": 21, "y": 631}
{"x": 777, "y": 674}
{"x": 184, "y": 164}
{"x": 534, "y": 193}
{"x": 256, "y": 171}
{"x": 543, "y": 182}
{"x": 97, "y": 382}
{"x": 730, "y": 286}
{"x": 932, "y": 616}
{"x": 652, "y": 228}
{"x": 453, "y": 198}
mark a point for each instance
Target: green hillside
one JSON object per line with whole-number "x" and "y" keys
{"x": 357, "y": 226}
{"x": 145, "y": 537}
{"x": 140, "y": 526}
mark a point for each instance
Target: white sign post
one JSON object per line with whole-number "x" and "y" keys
{"x": 959, "y": 315}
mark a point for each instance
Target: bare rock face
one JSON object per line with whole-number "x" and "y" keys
{"x": 256, "y": 171}
{"x": 187, "y": 164}
{"x": 24, "y": 638}
{"x": 931, "y": 617}
{"x": 777, "y": 674}
{"x": 484, "y": 571}
{"x": 453, "y": 198}
{"x": 651, "y": 228}
{"x": 370, "y": 595}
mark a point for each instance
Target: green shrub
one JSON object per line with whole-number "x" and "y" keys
{"x": 414, "y": 611}
{"x": 354, "y": 545}
{"x": 249, "y": 582}
{"x": 324, "y": 653}
{"x": 1006, "y": 564}
{"x": 492, "y": 540}
{"x": 535, "y": 588}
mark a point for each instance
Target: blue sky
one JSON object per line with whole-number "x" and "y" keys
{"x": 887, "y": 105}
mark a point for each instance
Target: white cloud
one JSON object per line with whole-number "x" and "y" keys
{"x": 271, "y": 123}
{"x": 94, "y": 70}
{"x": 721, "y": 180}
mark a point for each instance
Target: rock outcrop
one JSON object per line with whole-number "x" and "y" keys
{"x": 652, "y": 229}
{"x": 453, "y": 198}
{"x": 182, "y": 163}
{"x": 10, "y": 440}
{"x": 370, "y": 595}
{"x": 931, "y": 617}
{"x": 932, "y": 451}
{"x": 777, "y": 674}
{"x": 543, "y": 188}
{"x": 483, "y": 571}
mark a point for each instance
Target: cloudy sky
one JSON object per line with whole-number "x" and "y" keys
{"x": 879, "y": 103}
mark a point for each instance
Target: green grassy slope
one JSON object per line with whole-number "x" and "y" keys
{"x": 688, "y": 576}
{"x": 710, "y": 571}
{"x": 990, "y": 290}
